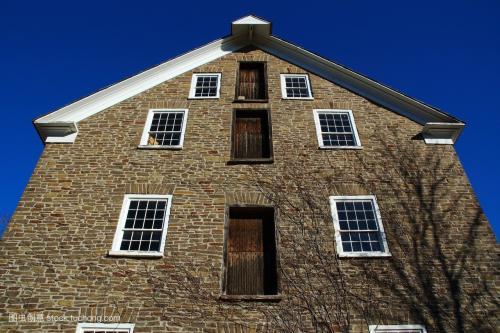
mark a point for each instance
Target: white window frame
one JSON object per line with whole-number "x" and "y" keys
{"x": 283, "y": 86}
{"x": 194, "y": 79}
{"x": 319, "y": 136}
{"x": 396, "y": 328}
{"x": 81, "y": 327}
{"x": 115, "y": 249}
{"x": 147, "y": 127}
{"x": 336, "y": 225}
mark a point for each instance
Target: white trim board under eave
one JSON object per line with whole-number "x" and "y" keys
{"x": 248, "y": 30}
{"x": 134, "y": 85}
{"x": 359, "y": 84}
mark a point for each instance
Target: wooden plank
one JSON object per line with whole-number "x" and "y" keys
{"x": 251, "y": 81}
{"x": 248, "y": 137}
{"x": 245, "y": 273}
{"x": 245, "y": 235}
{"x": 245, "y": 257}
{"x": 250, "y": 252}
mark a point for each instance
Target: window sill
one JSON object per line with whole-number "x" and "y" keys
{"x": 265, "y": 100}
{"x": 298, "y": 98}
{"x": 127, "y": 254}
{"x": 207, "y": 97}
{"x": 341, "y": 147}
{"x": 159, "y": 147}
{"x": 251, "y": 298}
{"x": 355, "y": 255}
{"x": 251, "y": 161}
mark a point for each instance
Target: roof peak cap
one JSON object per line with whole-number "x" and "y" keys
{"x": 250, "y": 25}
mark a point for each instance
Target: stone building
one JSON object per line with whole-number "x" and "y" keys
{"x": 189, "y": 197}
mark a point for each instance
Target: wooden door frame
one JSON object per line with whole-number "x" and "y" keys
{"x": 223, "y": 280}
{"x": 264, "y": 160}
{"x": 237, "y": 84}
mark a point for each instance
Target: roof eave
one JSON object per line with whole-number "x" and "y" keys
{"x": 60, "y": 125}
{"x": 355, "y": 82}
{"x": 121, "y": 90}
{"x": 442, "y": 133}
{"x": 57, "y": 132}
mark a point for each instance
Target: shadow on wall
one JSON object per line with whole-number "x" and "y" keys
{"x": 439, "y": 273}
{"x": 443, "y": 250}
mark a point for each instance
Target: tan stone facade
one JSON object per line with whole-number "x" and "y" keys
{"x": 54, "y": 253}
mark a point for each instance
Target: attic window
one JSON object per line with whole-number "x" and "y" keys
{"x": 295, "y": 86}
{"x": 251, "y": 82}
{"x": 336, "y": 129}
{"x": 206, "y": 85}
{"x": 164, "y": 128}
{"x": 142, "y": 226}
{"x": 358, "y": 226}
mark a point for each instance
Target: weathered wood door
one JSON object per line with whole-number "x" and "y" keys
{"x": 245, "y": 257}
{"x": 252, "y": 81}
{"x": 249, "y": 136}
{"x": 251, "y": 266}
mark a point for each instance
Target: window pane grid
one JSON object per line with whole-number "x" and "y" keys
{"x": 296, "y": 87}
{"x": 336, "y": 129}
{"x": 144, "y": 225}
{"x": 166, "y": 128}
{"x": 359, "y": 229}
{"x": 206, "y": 86}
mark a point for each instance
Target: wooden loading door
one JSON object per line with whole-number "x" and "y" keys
{"x": 245, "y": 257}
{"x": 252, "y": 81}
{"x": 251, "y": 257}
{"x": 251, "y": 135}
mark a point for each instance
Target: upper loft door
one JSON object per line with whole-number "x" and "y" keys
{"x": 251, "y": 82}
{"x": 251, "y": 139}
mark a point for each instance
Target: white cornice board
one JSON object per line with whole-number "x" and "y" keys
{"x": 60, "y": 125}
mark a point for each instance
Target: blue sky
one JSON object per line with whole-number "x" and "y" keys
{"x": 445, "y": 53}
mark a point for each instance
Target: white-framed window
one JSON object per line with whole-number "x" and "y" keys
{"x": 104, "y": 328}
{"x": 205, "y": 85}
{"x": 397, "y": 329}
{"x": 295, "y": 86}
{"x": 358, "y": 226}
{"x": 142, "y": 226}
{"x": 164, "y": 128}
{"x": 336, "y": 129}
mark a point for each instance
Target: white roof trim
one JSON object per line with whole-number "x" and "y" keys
{"x": 351, "y": 80}
{"x": 134, "y": 85}
{"x": 251, "y": 25}
{"x": 245, "y": 31}
{"x": 58, "y": 132}
{"x": 442, "y": 133}
{"x": 250, "y": 19}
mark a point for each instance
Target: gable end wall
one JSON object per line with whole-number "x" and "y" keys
{"x": 54, "y": 258}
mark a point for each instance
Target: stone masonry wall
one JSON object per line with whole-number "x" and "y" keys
{"x": 54, "y": 254}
